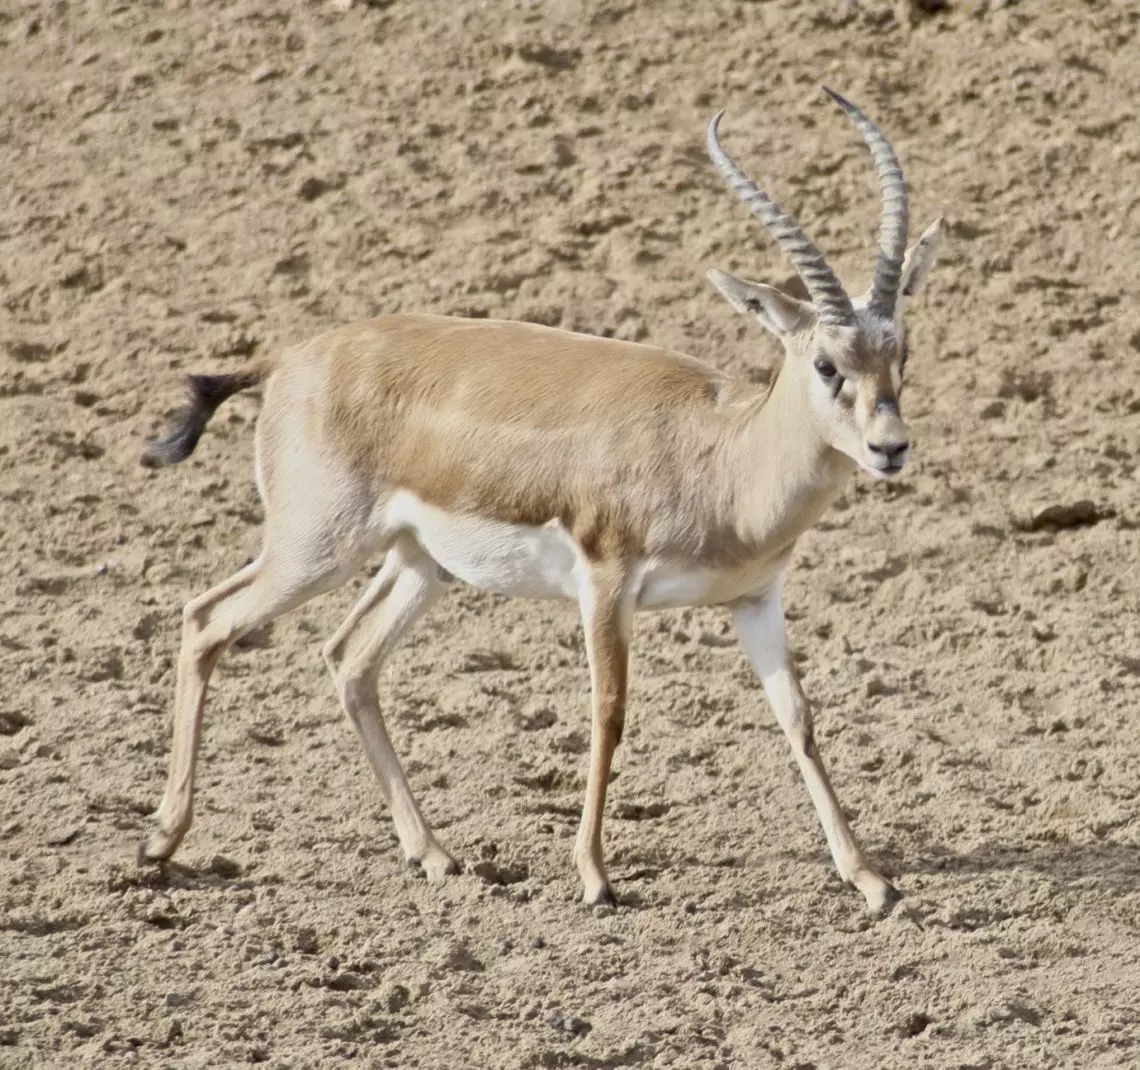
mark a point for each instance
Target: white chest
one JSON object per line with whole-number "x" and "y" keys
{"x": 545, "y": 562}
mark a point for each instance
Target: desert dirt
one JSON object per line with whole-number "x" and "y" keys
{"x": 189, "y": 183}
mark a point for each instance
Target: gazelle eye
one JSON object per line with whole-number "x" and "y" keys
{"x": 825, "y": 368}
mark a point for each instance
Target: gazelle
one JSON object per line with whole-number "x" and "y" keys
{"x": 545, "y": 464}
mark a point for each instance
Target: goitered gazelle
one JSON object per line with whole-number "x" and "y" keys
{"x": 545, "y": 464}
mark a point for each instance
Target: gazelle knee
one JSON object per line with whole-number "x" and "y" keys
{"x": 806, "y": 742}
{"x": 357, "y": 690}
{"x": 192, "y": 618}
{"x": 802, "y": 730}
{"x": 331, "y": 653}
{"x": 793, "y": 711}
{"x": 200, "y": 640}
{"x": 611, "y": 719}
{"x": 354, "y": 682}
{"x": 796, "y": 721}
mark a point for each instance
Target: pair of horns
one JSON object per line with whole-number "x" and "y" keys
{"x": 831, "y": 300}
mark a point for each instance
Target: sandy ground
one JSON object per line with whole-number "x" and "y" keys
{"x": 185, "y": 184}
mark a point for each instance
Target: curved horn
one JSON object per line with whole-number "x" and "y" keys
{"x": 893, "y": 226}
{"x": 827, "y": 293}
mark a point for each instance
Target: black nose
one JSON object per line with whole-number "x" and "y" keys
{"x": 889, "y": 450}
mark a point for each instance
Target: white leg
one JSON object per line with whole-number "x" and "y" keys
{"x": 404, "y": 589}
{"x": 764, "y": 636}
{"x": 266, "y": 589}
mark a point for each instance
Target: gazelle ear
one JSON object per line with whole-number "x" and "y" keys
{"x": 919, "y": 260}
{"x": 776, "y": 311}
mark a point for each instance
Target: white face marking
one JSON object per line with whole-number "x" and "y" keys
{"x": 544, "y": 562}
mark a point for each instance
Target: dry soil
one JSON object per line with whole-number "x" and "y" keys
{"x": 188, "y": 183}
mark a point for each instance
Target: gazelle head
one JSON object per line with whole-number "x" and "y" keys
{"x": 847, "y": 356}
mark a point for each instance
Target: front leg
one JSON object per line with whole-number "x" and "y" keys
{"x": 760, "y": 623}
{"x": 606, "y": 602}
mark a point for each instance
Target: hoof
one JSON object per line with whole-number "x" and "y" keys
{"x": 881, "y": 903}
{"x": 603, "y": 897}
{"x": 153, "y": 849}
{"x": 436, "y": 864}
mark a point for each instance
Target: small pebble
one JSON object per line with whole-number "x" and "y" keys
{"x": 914, "y": 1025}
{"x": 265, "y": 734}
{"x": 875, "y": 686}
{"x": 398, "y": 997}
{"x": 568, "y": 1024}
{"x": 223, "y": 867}
{"x": 306, "y": 941}
{"x": 993, "y": 411}
{"x": 312, "y": 188}
{"x": 264, "y": 73}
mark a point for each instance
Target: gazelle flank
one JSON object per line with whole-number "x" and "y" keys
{"x": 544, "y": 464}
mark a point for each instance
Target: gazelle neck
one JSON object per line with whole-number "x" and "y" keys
{"x": 784, "y": 474}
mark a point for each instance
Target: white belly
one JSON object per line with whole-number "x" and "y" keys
{"x": 665, "y": 585}
{"x": 513, "y": 559}
{"x": 545, "y": 562}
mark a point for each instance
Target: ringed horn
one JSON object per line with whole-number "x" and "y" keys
{"x": 827, "y": 293}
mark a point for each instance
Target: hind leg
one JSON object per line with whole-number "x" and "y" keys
{"x": 763, "y": 635}
{"x": 251, "y": 598}
{"x": 403, "y": 590}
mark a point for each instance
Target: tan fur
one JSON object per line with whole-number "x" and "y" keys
{"x": 625, "y": 471}
{"x": 635, "y": 450}
{"x": 524, "y": 424}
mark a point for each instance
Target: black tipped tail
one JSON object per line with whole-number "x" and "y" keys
{"x": 206, "y": 393}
